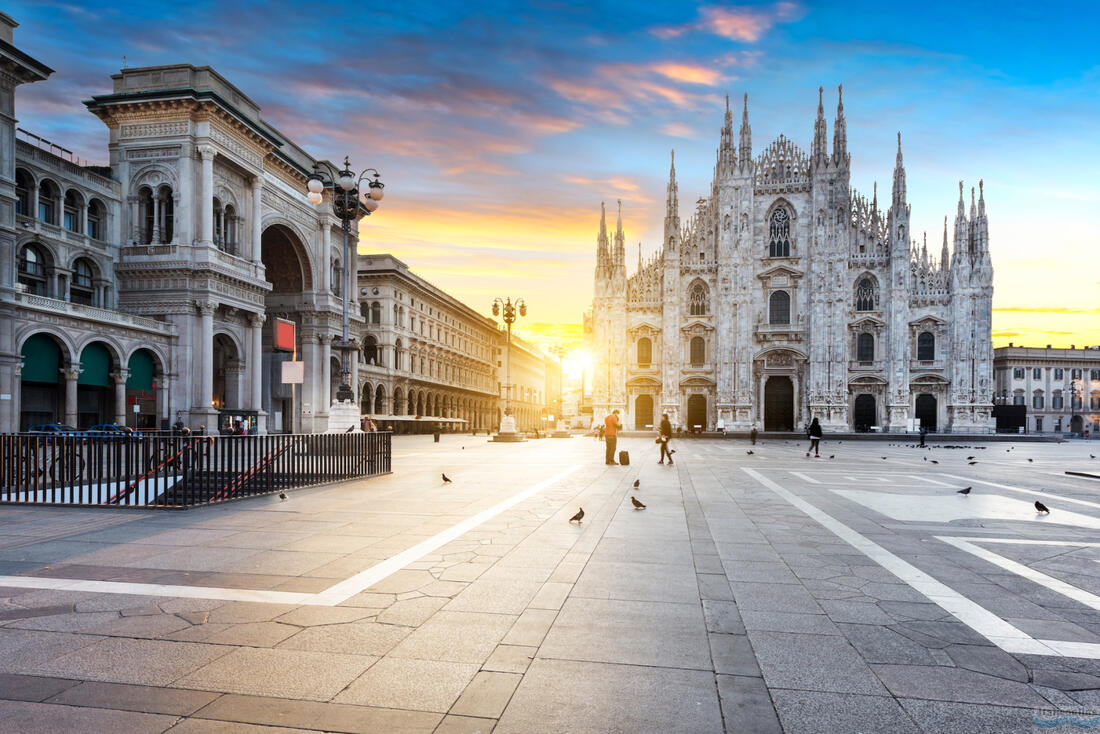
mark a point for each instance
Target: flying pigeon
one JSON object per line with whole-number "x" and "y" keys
{"x": 637, "y": 505}
{"x": 446, "y": 480}
{"x": 750, "y": 453}
{"x": 971, "y": 463}
{"x": 964, "y": 491}
{"x": 578, "y": 517}
{"x": 282, "y": 496}
{"x": 637, "y": 483}
{"x": 1041, "y": 508}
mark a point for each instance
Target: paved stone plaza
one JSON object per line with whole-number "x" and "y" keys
{"x": 757, "y": 593}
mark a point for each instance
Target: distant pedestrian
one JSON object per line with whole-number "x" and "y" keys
{"x": 611, "y": 426}
{"x": 923, "y": 433}
{"x": 815, "y": 438}
{"x": 664, "y": 438}
{"x": 600, "y": 433}
{"x": 753, "y": 434}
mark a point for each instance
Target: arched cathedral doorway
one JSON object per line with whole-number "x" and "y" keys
{"x": 697, "y": 413}
{"x": 643, "y": 412}
{"x": 926, "y": 411}
{"x": 779, "y": 404}
{"x": 864, "y": 414}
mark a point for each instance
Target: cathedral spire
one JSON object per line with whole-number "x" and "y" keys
{"x": 840, "y": 130}
{"x": 924, "y": 250}
{"x": 727, "y": 159}
{"x": 874, "y": 200}
{"x": 603, "y": 247}
{"x": 945, "y": 258}
{"x": 745, "y": 150}
{"x": 899, "y": 178}
{"x": 819, "y": 152}
{"x": 620, "y": 245}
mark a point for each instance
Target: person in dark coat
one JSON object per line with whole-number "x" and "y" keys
{"x": 665, "y": 435}
{"x": 815, "y": 438}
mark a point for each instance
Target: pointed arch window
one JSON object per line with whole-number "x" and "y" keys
{"x": 779, "y": 233}
{"x": 698, "y": 300}
{"x": 866, "y": 295}
{"x": 645, "y": 352}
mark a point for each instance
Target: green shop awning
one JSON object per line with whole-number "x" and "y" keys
{"x": 141, "y": 371}
{"x": 95, "y": 366}
{"x": 41, "y": 360}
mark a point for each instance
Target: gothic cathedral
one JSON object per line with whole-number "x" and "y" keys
{"x": 788, "y": 295}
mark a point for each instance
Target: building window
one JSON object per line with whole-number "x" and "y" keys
{"x": 1059, "y": 373}
{"x": 1017, "y": 399}
{"x": 337, "y": 278}
{"x": 645, "y": 352}
{"x": 698, "y": 351}
{"x": 698, "y": 300}
{"x": 1037, "y": 373}
{"x": 926, "y": 347}
{"x": 48, "y": 201}
{"x": 779, "y": 233}
{"x": 866, "y": 298}
{"x": 1037, "y": 401}
{"x": 32, "y": 270}
{"x": 1018, "y": 373}
{"x": 376, "y": 313}
{"x": 82, "y": 288}
{"x": 865, "y": 348}
{"x": 1094, "y": 401}
{"x": 779, "y": 308}
{"x": 1075, "y": 374}
{"x": 1039, "y": 424}
{"x": 24, "y": 185}
{"x": 1077, "y": 402}
{"x": 1056, "y": 401}
{"x": 1094, "y": 374}
{"x": 74, "y": 209}
{"x": 96, "y": 217}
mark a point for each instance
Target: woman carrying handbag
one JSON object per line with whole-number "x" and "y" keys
{"x": 663, "y": 439}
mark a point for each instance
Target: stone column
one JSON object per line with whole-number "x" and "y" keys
{"x": 257, "y": 213}
{"x": 156, "y": 218}
{"x": 164, "y": 392}
{"x": 207, "y": 194}
{"x": 119, "y": 378}
{"x": 256, "y": 324}
{"x": 326, "y": 256}
{"x": 135, "y": 218}
{"x": 206, "y": 352}
{"x": 183, "y": 228}
{"x": 70, "y": 376}
{"x": 326, "y": 371}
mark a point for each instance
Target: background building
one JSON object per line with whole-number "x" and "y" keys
{"x": 529, "y": 398}
{"x": 788, "y": 295}
{"x": 1058, "y": 389}
{"x": 427, "y": 361}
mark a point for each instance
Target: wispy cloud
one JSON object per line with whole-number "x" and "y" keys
{"x": 678, "y": 130}
{"x": 745, "y": 23}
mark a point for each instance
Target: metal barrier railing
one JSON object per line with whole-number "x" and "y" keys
{"x": 178, "y": 471}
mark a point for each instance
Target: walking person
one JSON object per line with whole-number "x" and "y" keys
{"x": 665, "y": 436}
{"x": 753, "y": 433}
{"x": 611, "y": 426}
{"x": 815, "y": 438}
{"x": 923, "y": 433}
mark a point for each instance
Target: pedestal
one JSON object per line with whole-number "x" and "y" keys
{"x": 342, "y": 416}
{"x": 507, "y": 432}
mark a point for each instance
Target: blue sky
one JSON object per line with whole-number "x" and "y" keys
{"x": 499, "y": 127}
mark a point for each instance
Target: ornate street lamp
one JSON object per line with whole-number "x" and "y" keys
{"x": 509, "y": 308}
{"x": 348, "y": 204}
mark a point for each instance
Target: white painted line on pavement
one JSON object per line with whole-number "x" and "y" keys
{"x": 930, "y": 481}
{"x": 339, "y": 592}
{"x": 975, "y": 616}
{"x": 1029, "y": 573}
{"x": 800, "y": 475}
{"x": 1036, "y": 493}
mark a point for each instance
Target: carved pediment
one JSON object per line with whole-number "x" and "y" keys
{"x": 867, "y": 321}
{"x": 780, "y": 357}
{"x": 866, "y": 380}
{"x": 643, "y": 381}
{"x": 697, "y": 381}
{"x": 696, "y": 326}
{"x": 928, "y": 320}
{"x": 928, "y": 379}
{"x": 644, "y": 328}
{"x": 780, "y": 271}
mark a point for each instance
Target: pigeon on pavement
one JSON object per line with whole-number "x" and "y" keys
{"x": 1041, "y": 508}
{"x": 969, "y": 458}
{"x": 446, "y": 480}
{"x": 637, "y": 505}
{"x": 964, "y": 491}
{"x": 1030, "y": 460}
{"x": 971, "y": 463}
{"x": 282, "y": 496}
{"x": 637, "y": 483}
{"x": 832, "y": 456}
{"x": 934, "y": 461}
{"x": 578, "y": 517}
{"x": 750, "y": 453}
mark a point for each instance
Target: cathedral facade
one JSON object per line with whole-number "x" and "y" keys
{"x": 787, "y": 295}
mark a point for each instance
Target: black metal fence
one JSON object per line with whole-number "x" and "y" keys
{"x": 178, "y": 471}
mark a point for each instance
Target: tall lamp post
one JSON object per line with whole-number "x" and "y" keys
{"x": 348, "y": 204}
{"x": 507, "y": 309}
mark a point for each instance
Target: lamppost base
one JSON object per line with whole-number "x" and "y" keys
{"x": 508, "y": 438}
{"x": 343, "y": 417}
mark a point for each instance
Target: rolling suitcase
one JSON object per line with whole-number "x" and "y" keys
{"x": 624, "y": 458}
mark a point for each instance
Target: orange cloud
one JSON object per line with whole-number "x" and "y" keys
{"x": 690, "y": 73}
{"x": 678, "y": 130}
{"x": 746, "y": 24}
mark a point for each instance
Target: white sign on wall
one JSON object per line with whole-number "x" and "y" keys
{"x": 294, "y": 373}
